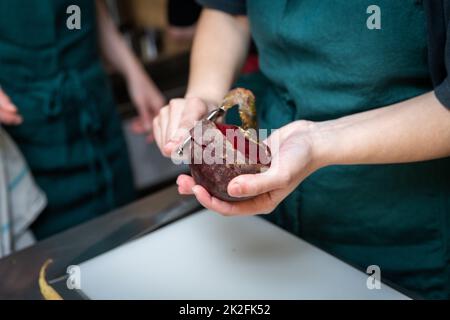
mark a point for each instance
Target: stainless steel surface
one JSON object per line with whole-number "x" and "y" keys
{"x": 150, "y": 168}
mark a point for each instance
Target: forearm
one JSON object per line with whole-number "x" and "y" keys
{"x": 112, "y": 45}
{"x": 219, "y": 50}
{"x": 414, "y": 130}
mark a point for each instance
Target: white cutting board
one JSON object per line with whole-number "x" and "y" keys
{"x": 207, "y": 256}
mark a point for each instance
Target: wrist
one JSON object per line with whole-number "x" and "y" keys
{"x": 321, "y": 142}
{"x": 211, "y": 97}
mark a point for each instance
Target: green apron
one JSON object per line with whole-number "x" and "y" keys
{"x": 71, "y": 135}
{"x": 321, "y": 62}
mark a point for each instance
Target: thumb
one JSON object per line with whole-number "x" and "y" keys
{"x": 250, "y": 185}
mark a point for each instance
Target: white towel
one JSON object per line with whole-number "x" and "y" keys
{"x": 21, "y": 200}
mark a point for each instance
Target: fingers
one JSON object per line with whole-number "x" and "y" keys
{"x": 175, "y": 114}
{"x": 175, "y": 120}
{"x": 155, "y": 101}
{"x": 137, "y": 126}
{"x": 185, "y": 184}
{"x": 262, "y": 204}
{"x": 193, "y": 109}
{"x": 160, "y": 126}
{"x": 6, "y": 104}
{"x": 250, "y": 185}
{"x": 146, "y": 117}
{"x": 157, "y": 132}
{"x": 8, "y": 111}
{"x": 10, "y": 118}
{"x": 147, "y": 99}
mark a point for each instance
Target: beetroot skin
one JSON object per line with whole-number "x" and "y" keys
{"x": 215, "y": 177}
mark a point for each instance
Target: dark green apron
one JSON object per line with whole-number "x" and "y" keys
{"x": 71, "y": 135}
{"x": 321, "y": 63}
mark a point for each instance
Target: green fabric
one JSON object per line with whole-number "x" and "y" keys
{"x": 322, "y": 62}
{"x": 71, "y": 135}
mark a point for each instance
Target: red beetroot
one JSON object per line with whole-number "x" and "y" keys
{"x": 221, "y": 152}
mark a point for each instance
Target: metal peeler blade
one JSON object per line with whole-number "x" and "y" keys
{"x": 212, "y": 116}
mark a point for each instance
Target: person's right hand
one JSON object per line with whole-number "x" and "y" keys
{"x": 8, "y": 111}
{"x": 174, "y": 121}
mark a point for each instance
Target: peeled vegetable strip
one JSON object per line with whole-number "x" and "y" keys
{"x": 46, "y": 290}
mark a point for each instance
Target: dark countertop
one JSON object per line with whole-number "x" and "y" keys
{"x": 19, "y": 271}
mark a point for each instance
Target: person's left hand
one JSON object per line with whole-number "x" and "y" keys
{"x": 293, "y": 160}
{"x": 147, "y": 99}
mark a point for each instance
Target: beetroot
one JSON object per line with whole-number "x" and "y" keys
{"x": 221, "y": 152}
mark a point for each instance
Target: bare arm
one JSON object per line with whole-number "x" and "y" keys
{"x": 112, "y": 45}
{"x": 413, "y": 130}
{"x": 218, "y": 53}
{"x": 145, "y": 95}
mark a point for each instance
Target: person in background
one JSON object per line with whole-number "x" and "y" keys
{"x": 57, "y": 105}
{"x": 363, "y": 165}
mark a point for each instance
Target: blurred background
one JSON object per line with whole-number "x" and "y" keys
{"x": 160, "y": 33}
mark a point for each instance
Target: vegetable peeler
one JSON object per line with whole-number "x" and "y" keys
{"x": 213, "y": 115}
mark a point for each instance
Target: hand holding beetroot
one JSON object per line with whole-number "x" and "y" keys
{"x": 260, "y": 183}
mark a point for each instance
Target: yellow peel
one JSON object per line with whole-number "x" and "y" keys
{"x": 46, "y": 290}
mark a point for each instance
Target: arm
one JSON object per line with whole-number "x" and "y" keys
{"x": 414, "y": 130}
{"x": 218, "y": 53}
{"x": 143, "y": 92}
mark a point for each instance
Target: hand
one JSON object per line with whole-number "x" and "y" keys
{"x": 8, "y": 111}
{"x": 148, "y": 101}
{"x": 292, "y": 161}
{"x": 174, "y": 121}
